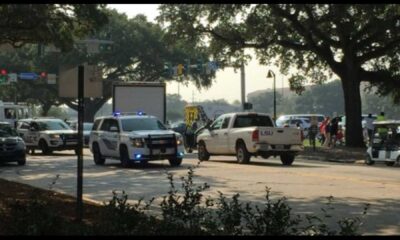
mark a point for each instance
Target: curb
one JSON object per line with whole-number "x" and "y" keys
{"x": 327, "y": 159}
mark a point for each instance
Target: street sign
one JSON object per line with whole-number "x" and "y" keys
{"x": 68, "y": 81}
{"x": 51, "y": 78}
{"x": 28, "y": 76}
{"x": 12, "y": 77}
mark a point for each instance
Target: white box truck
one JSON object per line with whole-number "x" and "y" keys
{"x": 141, "y": 96}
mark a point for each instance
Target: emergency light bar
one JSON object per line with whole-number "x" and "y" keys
{"x": 139, "y": 113}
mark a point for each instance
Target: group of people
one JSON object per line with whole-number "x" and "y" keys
{"x": 331, "y": 132}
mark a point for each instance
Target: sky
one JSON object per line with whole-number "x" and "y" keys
{"x": 227, "y": 84}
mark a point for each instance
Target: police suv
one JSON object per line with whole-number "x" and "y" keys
{"x": 47, "y": 134}
{"x": 134, "y": 137}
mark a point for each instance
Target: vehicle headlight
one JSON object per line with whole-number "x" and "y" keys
{"x": 137, "y": 142}
{"x": 179, "y": 140}
{"x": 54, "y": 136}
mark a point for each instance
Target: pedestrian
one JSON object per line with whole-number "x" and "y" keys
{"x": 382, "y": 131}
{"x": 327, "y": 132}
{"x": 322, "y": 130}
{"x": 370, "y": 127}
{"x": 333, "y": 131}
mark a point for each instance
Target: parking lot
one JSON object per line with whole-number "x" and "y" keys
{"x": 306, "y": 183}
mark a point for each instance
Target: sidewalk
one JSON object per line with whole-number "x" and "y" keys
{"x": 337, "y": 154}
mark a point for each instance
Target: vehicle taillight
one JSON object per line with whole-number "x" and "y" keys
{"x": 254, "y": 136}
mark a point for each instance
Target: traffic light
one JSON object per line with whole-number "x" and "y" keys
{"x": 43, "y": 75}
{"x": 3, "y": 76}
{"x": 180, "y": 69}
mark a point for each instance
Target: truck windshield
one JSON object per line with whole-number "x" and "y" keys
{"x": 137, "y": 124}
{"x": 7, "y": 131}
{"x": 53, "y": 125}
{"x": 252, "y": 121}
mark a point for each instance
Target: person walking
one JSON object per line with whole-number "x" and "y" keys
{"x": 370, "y": 127}
{"x": 333, "y": 131}
{"x": 327, "y": 132}
{"x": 322, "y": 130}
{"x": 382, "y": 131}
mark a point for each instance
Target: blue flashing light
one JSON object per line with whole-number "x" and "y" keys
{"x": 140, "y": 113}
{"x": 116, "y": 114}
{"x": 181, "y": 154}
{"x": 138, "y": 156}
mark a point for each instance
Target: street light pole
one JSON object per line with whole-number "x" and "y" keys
{"x": 269, "y": 75}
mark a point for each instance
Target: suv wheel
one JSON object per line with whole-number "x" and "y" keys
{"x": 202, "y": 153}
{"x": 124, "y": 156}
{"x": 175, "y": 161}
{"x": 97, "y": 157}
{"x": 44, "y": 147}
{"x": 287, "y": 159}
{"x": 389, "y": 163}
{"x": 22, "y": 160}
{"x": 242, "y": 155}
{"x": 369, "y": 161}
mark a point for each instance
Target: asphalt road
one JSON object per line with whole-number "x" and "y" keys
{"x": 306, "y": 184}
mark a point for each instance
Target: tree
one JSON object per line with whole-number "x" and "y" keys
{"x": 358, "y": 43}
{"x": 138, "y": 54}
{"x": 264, "y": 102}
{"x": 175, "y": 107}
{"x": 58, "y": 24}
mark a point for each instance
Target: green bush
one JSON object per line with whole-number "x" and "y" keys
{"x": 185, "y": 212}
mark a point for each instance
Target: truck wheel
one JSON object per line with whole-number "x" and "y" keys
{"x": 124, "y": 156}
{"x": 389, "y": 163}
{"x": 202, "y": 153}
{"x": 242, "y": 155}
{"x": 369, "y": 161}
{"x": 174, "y": 162}
{"x": 22, "y": 161}
{"x": 44, "y": 147}
{"x": 98, "y": 159}
{"x": 287, "y": 159}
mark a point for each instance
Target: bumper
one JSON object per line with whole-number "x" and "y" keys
{"x": 263, "y": 148}
{"x": 138, "y": 154}
{"x": 12, "y": 156}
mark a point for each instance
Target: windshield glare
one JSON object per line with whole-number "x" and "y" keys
{"x": 53, "y": 125}
{"x": 138, "y": 124}
{"x": 7, "y": 131}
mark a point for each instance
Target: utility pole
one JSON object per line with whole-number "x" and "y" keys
{"x": 243, "y": 85}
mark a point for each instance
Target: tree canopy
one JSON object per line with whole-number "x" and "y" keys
{"x": 358, "y": 43}
{"x": 58, "y": 24}
{"x": 138, "y": 53}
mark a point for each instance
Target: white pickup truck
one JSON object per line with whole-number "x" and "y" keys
{"x": 248, "y": 134}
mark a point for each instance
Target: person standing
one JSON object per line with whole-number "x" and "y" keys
{"x": 333, "y": 131}
{"x": 327, "y": 132}
{"x": 322, "y": 130}
{"x": 382, "y": 131}
{"x": 369, "y": 126}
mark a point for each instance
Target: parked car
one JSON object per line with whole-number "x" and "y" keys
{"x": 47, "y": 134}
{"x": 87, "y": 128}
{"x": 12, "y": 147}
{"x": 283, "y": 118}
{"x": 179, "y": 127}
{"x": 304, "y": 124}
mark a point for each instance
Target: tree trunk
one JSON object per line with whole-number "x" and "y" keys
{"x": 352, "y": 103}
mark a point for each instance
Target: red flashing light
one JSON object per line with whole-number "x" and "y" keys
{"x": 43, "y": 74}
{"x": 3, "y": 72}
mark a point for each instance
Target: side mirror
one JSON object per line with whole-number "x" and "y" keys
{"x": 113, "y": 129}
